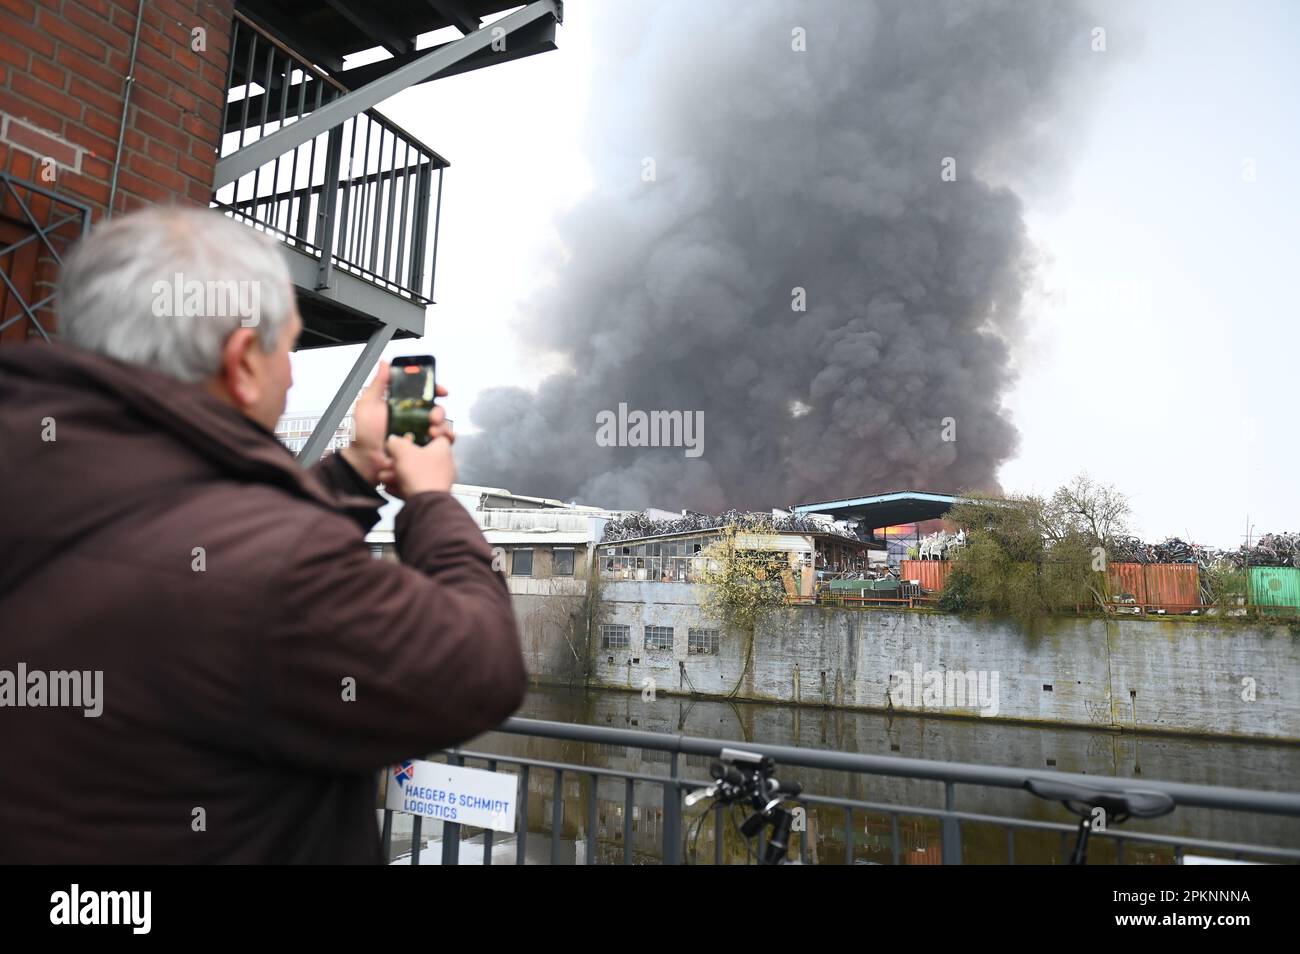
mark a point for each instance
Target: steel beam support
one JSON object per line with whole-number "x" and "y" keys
{"x": 346, "y": 393}
{"x": 358, "y": 295}
{"x": 462, "y": 19}
{"x": 375, "y": 25}
{"x": 538, "y": 38}
{"x": 326, "y": 207}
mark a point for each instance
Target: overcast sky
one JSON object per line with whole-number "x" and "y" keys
{"x": 1162, "y": 345}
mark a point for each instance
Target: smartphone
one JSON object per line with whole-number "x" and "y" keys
{"x": 410, "y": 396}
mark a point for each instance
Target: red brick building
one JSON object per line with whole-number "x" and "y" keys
{"x": 63, "y": 86}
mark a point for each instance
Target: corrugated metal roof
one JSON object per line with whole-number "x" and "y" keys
{"x": 793, "y": 537}
{"x": 885, "y": 510}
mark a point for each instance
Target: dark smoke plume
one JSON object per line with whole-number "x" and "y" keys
{"x": 776, "y": 169}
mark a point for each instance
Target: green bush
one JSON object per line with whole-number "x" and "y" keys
{"x": 958, "y": 592}
{"x": 1029, "y": 556}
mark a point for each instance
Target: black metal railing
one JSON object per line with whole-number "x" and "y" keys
{"x": 365, "y": 197}
{"x": 580, "y": 812}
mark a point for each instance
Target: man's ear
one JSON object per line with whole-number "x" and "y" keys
{"x": 239, "y": 369}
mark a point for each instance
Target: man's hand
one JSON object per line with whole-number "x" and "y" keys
{"x": 368, "y": 454}
{"x": 370, "y": 425}
{"x": 418, "y": 470}
{"x": 410, "y": 469}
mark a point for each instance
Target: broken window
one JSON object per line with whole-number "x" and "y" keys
{"x": 615, "y": 636}
{"x": 659, "y": 637}
{"x": 703, "y": 642}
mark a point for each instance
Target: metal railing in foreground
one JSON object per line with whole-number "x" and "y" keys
{"x": 603, "y": 832}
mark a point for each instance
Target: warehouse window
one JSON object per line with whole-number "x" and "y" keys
{"x": 522, "y": 564}
{"x": 702, "y": 642}
{"x": 659, "y": 637}
{"x": 562, "y": 562}
{"x": 614, "y": 636}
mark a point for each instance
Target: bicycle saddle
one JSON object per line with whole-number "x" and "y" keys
{"x": 1118, "y": 803}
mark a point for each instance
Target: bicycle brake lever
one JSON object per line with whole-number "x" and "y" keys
{"x": 700, "y": 794}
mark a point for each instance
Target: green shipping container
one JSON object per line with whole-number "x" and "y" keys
{"x": 1275, "y": 590}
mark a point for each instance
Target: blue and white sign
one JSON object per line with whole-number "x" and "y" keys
{"x": 452, "y": 793}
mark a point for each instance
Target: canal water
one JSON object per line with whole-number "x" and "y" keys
{"x": 832, "y": 834}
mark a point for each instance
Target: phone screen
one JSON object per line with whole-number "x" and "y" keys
{"x": 410, "y": 397}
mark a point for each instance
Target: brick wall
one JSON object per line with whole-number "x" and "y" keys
{"x": 62, "y": 69}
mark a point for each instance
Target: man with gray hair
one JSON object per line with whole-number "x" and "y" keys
{"x": 258, "y": 665}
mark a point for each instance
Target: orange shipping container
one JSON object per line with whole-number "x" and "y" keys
{"x": 933, "y": 574}
{"x": 1172, "y": 587}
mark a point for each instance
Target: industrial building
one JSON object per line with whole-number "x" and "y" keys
{"x": 543, "y": 546}
{"x": 294, "y": 430}
{"x": 676, "y": 557}
{"x": 897, "y": 519}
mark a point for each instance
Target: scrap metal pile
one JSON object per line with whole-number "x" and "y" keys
{"x": 1272, "y": 549}
{"x": 879, "y": 571}
{"x": 1275, "y": 549}
{"x": 640, "y": 525}
{"x": 1172, "y": 550}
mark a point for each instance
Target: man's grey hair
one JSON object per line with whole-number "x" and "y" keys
{"x": 166, "y": 287}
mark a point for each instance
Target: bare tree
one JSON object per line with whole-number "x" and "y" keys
{"x": 1084, "y": 507}
{"x": 1029, "y": 555}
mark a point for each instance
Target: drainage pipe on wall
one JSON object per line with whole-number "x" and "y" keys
{"x": 126, "y": 108}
